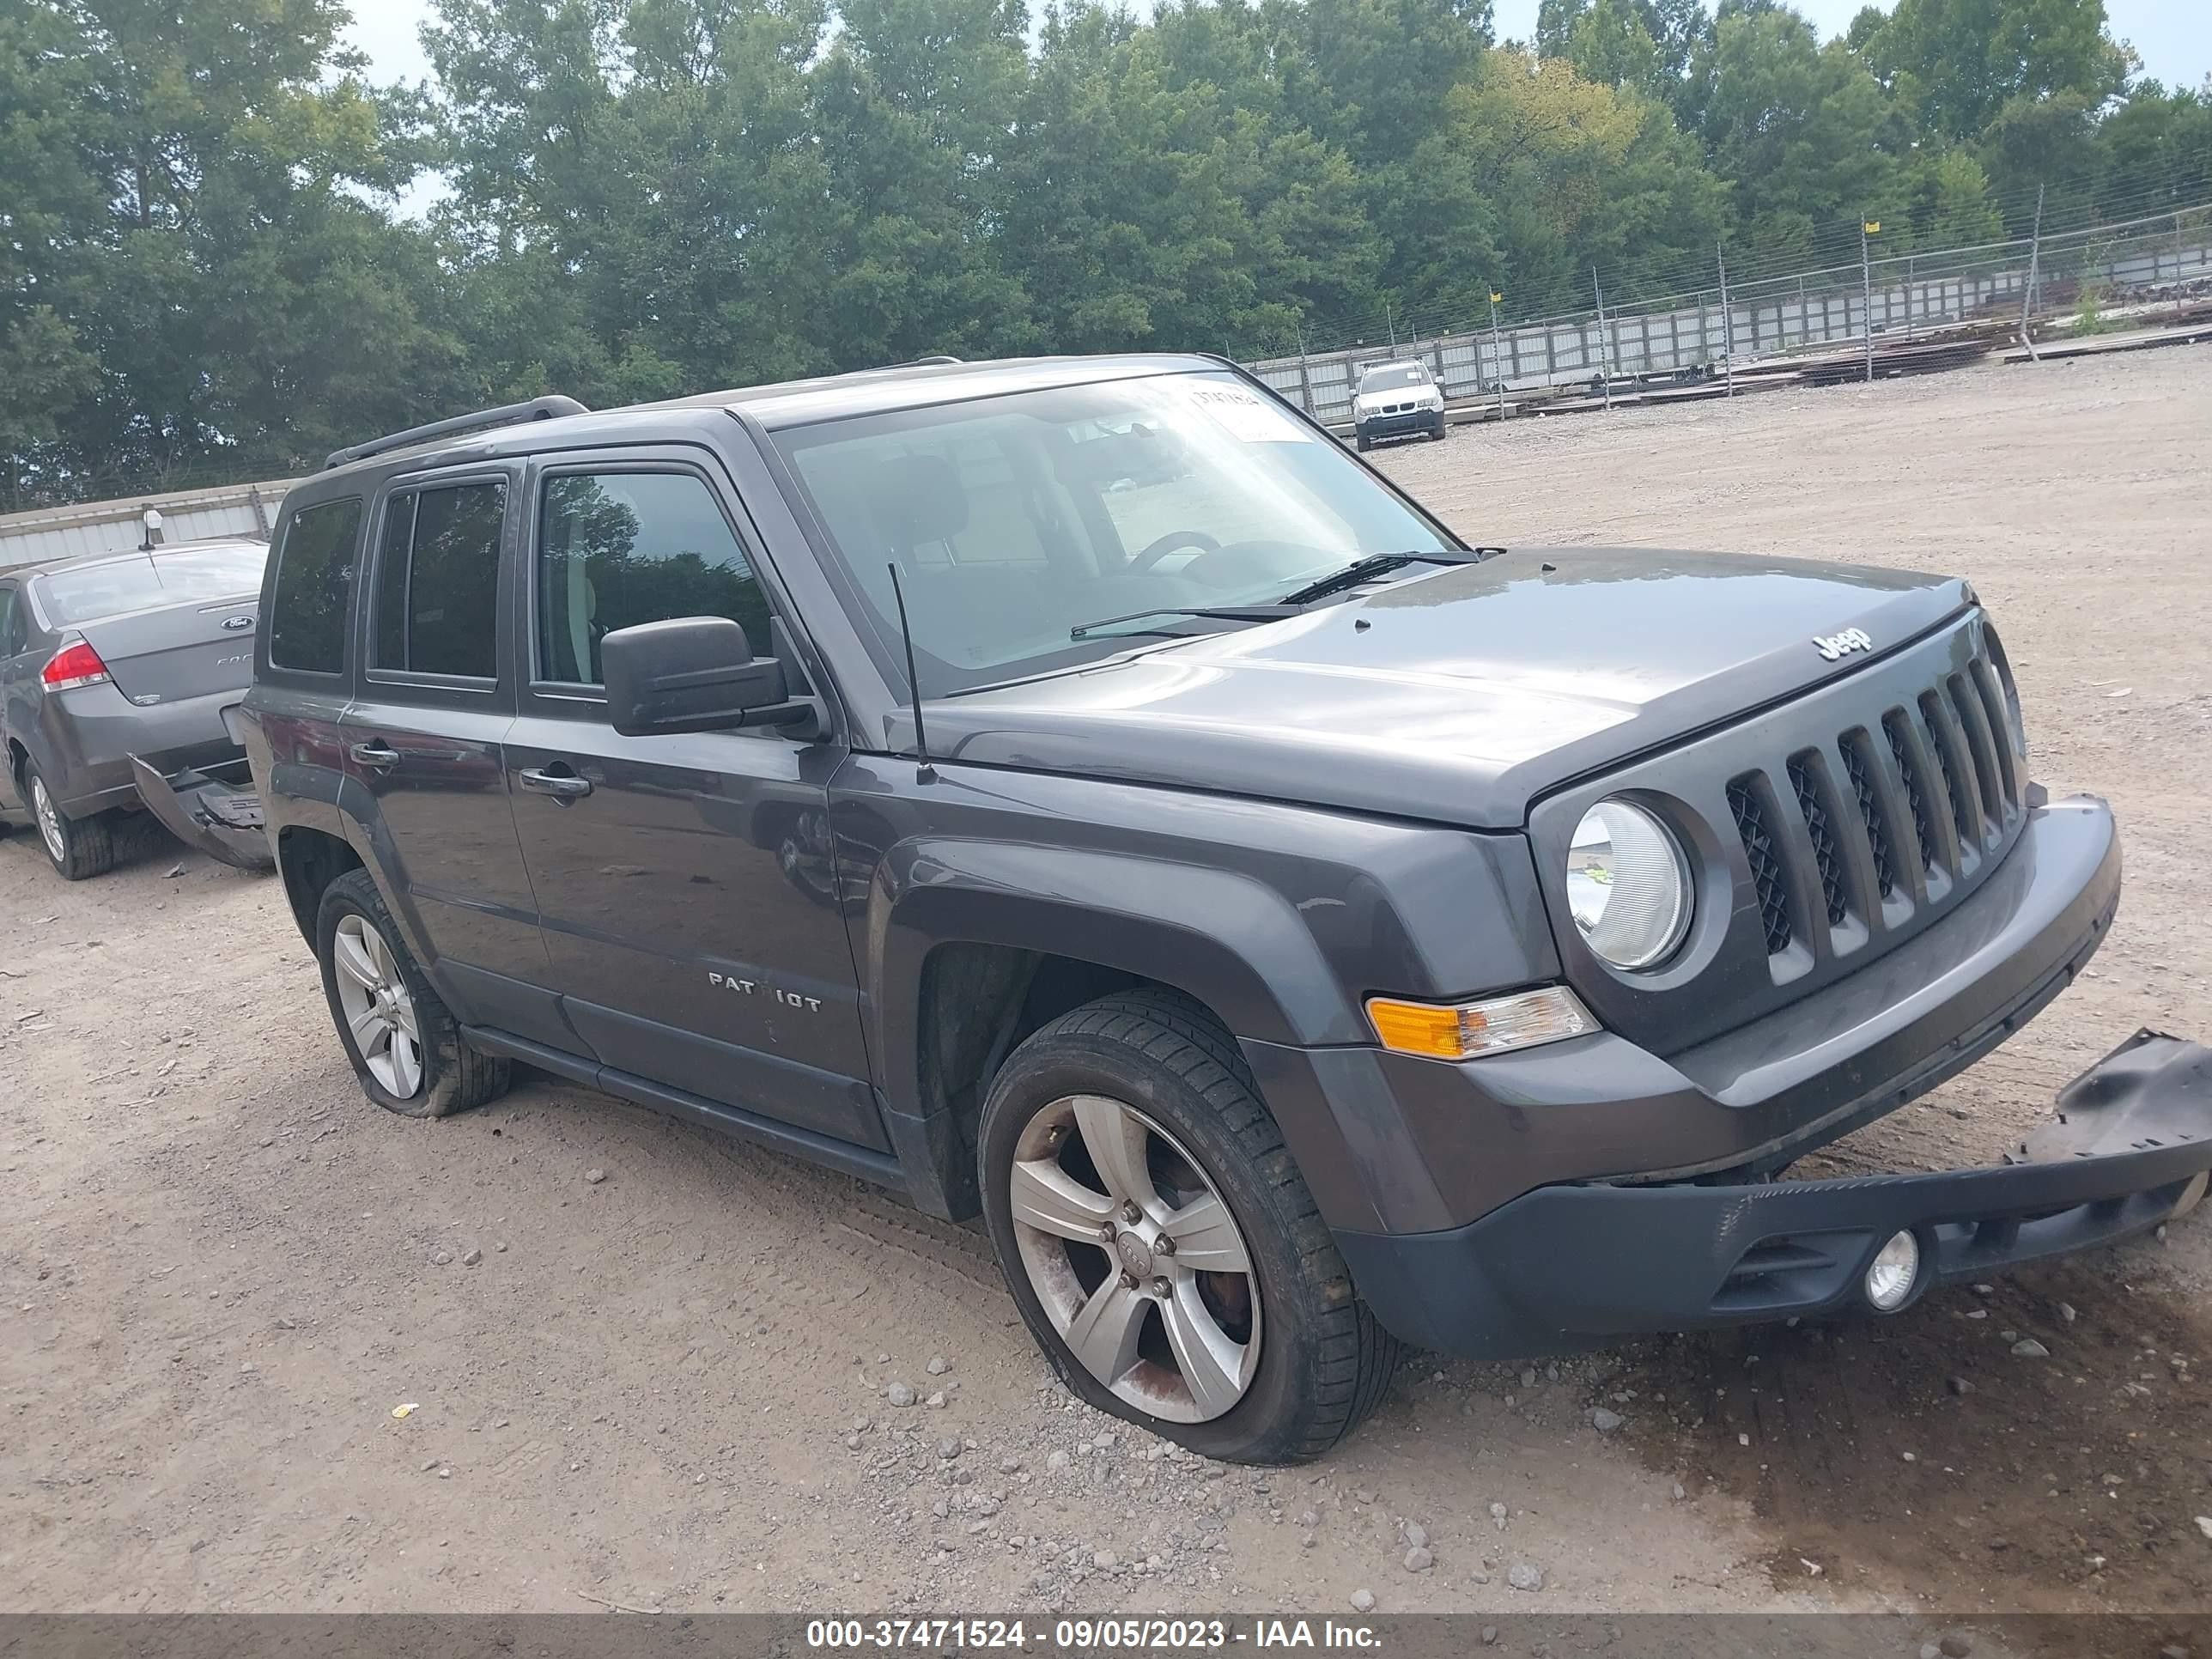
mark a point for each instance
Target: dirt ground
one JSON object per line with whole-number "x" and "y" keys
{"x": 222, "y": 1271}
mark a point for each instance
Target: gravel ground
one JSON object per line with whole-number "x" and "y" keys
{"x": 711, "y": 1378}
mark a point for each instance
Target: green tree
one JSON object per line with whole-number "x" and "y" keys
{"x": 1537, "y": 175}
{"x": 2156, "y": 150}
{"x": 1806, "y": 136}
{"x": 197, "y": 273}
{"x": 910, "y": 108}
{"x": 1948, "y": 204}
{"x": 54, "y": 199}
{"x": 1121, "y": 213}
{"x": 1957, "y": 64}
{"x": 1370, "y": 75}
{"x": 2044, "y": 149}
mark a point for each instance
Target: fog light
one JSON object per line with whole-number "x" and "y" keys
{"x": 1890, "y": 1280}
{"x": 1463, "y": 1030}
{"x": 2191, "y": 1195}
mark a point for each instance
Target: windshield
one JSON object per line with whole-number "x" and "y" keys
{"x": 112, "y": 587}
{"x": 1389, "y": 377}
{"x": 1015, "y": 518}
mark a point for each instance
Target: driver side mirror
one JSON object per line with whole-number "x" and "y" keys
{"x": 692, "y": 674}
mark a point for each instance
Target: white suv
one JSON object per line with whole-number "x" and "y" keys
{"x": 1396, "y": 400}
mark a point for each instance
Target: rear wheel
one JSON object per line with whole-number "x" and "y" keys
{"x": 1161, "y": 1243}
{"x": 78, "y": 848}
{"x": 404, "y": 1044}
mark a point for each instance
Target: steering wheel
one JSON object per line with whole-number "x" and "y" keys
{"x": 1171, "y": 542}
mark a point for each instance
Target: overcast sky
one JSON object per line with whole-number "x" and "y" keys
{"x": 2174, "y": 37}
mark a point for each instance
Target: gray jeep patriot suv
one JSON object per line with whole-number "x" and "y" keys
{"x": 1080, "y": 793}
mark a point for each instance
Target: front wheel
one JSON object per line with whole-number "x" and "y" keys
{"x": 1360, "y": 439}
{"x": 1161, "y": 1243}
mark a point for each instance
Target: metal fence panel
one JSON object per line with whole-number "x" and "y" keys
{"x": 1772, "y": 318}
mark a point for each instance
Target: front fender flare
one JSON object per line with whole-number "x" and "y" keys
{"x": 1218, "y": 936}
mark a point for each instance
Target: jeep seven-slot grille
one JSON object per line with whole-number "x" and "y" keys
{"x": 1827, "y": 850}
{"x": 1765, "y": 865}
{"x": 1878, "y": 826}
{"x": 1860, "y": 768}
{"x": 1894, "y": 728}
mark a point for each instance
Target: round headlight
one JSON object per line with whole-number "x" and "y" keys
{"x": 1628, "y": 885}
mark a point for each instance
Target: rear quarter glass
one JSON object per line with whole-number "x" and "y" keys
{"x": 313, "y": 593}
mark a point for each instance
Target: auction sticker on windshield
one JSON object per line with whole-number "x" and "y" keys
{"x": 1245, "y": 415}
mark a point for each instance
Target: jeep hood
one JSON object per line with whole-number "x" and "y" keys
{"x": 1459, "y": 695}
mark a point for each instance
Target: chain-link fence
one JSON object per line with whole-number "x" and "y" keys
{"x": 2089, "y": 278}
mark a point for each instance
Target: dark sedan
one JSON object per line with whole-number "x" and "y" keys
{"x": 113, "y": 656}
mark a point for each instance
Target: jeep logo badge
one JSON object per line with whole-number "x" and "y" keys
{"x": 1834, "y": 647}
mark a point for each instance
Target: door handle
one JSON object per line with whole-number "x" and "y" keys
{"x": 375, "y": 755}
{"x": 562, "y": 786}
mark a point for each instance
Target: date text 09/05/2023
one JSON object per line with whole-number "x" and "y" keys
{"x": 1086, "y": 1635}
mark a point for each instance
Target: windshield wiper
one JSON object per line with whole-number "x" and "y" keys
{"x": 1269, "y": 612}
{"x": 1359, "y": 570}
{"x": 1367, "y": 568}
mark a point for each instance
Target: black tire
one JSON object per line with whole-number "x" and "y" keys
{"x": 1438, "y": 432}
{"x": 87, "y": 844}
{"x": 1324, "y": 1362}
{"x": 1361, "y": 440}
{"x": 455, "y": 1077}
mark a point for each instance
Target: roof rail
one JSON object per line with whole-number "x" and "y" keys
{"x": 934, "y": 361}
{"x": 537, "y": 409}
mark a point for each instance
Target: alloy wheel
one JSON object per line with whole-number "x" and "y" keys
{"x": 1134, "y": 1255}
{"x": 378, "y": 1012}
{"x": 50, "y": 820}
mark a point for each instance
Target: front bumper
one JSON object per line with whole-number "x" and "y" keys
{"x": 1560, "y": 1196}
{"x": 1569, "y": 1267}
{"x": 1428, "y": 1147}
{"x": 1402, "y": 425}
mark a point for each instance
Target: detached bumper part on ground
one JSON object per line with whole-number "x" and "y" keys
{"x": 222, "y": 819}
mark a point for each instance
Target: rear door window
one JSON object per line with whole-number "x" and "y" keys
{"x": 13, "y": 634}
{"x": 314, "y": 588}
{"x": 437, "y": 582}
{"x": 617, "y": 548}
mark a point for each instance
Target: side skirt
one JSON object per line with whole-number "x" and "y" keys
{"x": 878, "y": 1169}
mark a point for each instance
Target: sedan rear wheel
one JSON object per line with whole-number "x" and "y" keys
{"x": 78, "y": 848}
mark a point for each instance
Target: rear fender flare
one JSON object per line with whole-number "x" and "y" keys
{"x": 365, "y": 831}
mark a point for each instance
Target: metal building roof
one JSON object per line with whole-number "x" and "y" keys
{"x": 61, "y": 532}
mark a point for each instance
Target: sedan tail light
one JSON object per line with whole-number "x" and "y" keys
{"x": 76, "y": 664}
